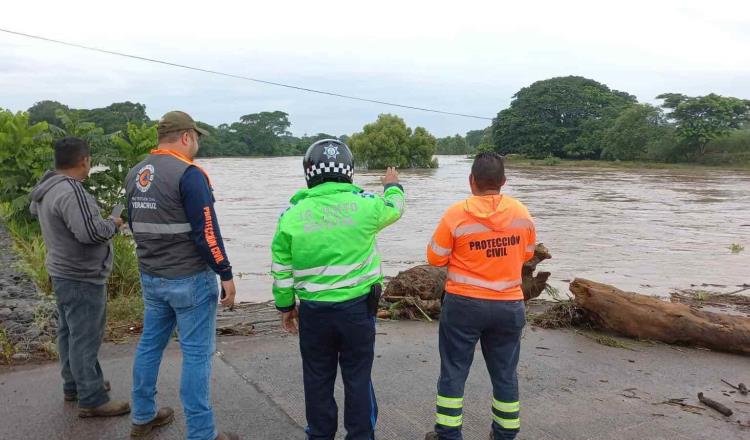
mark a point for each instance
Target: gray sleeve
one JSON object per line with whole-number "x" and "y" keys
{"x": 83, "y": 218}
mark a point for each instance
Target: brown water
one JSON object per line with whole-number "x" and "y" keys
{"x": 649, "y": 231}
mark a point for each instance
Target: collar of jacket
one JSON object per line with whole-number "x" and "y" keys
{"x": 325, "y": 189}
{"x": 187, "y": 160}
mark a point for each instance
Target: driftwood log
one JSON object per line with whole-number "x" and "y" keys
{"x": 715, "y": 405}
{"x": 646, "y": 317}
{"x": 417, "y": 293}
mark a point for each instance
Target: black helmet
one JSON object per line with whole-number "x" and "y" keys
{"x": 328, "y": 160}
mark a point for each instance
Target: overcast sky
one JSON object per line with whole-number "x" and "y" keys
{"x": 460, "y": 56}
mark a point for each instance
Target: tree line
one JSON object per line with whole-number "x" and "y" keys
{"x": 568, "y": 117}
{"x": 255, "y": 134}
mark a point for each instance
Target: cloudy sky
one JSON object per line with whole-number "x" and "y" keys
{"x": 465, "y": 57}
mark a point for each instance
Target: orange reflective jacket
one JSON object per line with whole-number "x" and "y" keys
{"x": 484, "y": 241}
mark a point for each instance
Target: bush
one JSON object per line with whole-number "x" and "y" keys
{"x": 732, "y": 149}
{"x": 25, "y": 154}
{"x": 551, "y": 161}
{"x": 113, "y": 155}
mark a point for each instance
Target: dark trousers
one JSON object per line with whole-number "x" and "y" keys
{"x": 497, "y": 325}
{"x": 331, "y": 335}
{"x": 82, "y": 314}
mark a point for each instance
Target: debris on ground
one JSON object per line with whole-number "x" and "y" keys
{"x": 417, "y": 293}
{"x": 715, "y": 405}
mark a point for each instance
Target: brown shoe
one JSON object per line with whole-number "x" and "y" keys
{"x": 72, "y": 397}
{"x": 110, "y": 409}
{"x": 164, "y": 417}
{"x": 227, "y": 436}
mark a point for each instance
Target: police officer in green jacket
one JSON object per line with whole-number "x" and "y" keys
{"x": 325, "y": 253}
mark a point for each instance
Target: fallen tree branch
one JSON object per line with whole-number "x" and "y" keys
{"x": 739, "y": 387}
{"x": 733, "y": 386}
{"x": 715, "y": 405}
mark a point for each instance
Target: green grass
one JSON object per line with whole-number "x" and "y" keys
{"x": 124, "y": 317}
{"x": 125, "y": 279}
{"x": 7, "y": 348}
{"x": 736, "y": 248}
{"x": 701, "y": 295}
{"x": 29, "y": 245}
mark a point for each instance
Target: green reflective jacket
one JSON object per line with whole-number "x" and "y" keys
{"x": 325, "y": 248}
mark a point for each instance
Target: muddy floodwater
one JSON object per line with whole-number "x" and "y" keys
{"x": 649, "y": 231}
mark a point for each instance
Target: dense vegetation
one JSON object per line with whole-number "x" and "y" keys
{"x": 575, "y": 117}
{"x": 255, "y": 134}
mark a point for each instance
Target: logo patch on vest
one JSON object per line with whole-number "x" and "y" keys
{"x": 145, "y": 178}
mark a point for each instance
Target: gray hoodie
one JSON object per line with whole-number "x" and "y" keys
{"x": 76, "y": 235}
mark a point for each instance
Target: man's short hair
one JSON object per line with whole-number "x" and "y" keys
{"x": 488, "y": 171}
{"x": 69, "y": 152}
{"x": 171, "y": 136}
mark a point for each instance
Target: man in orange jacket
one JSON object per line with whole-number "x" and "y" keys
{"x": 484, "y": 240}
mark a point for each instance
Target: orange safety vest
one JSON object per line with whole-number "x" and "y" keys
{"x": 484, "y": 241}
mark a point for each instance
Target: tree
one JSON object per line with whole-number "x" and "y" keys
{"x": 453, "y": 145}
{"x": 701, "y": 119}
{"x": 640, "y": 129}
{"x": 263, "y": 131}
{"x": 299, "y": 146}
{"x": 47, "y": 111}
{"x": 115, "y": 117}
{"x": 388, "y": 142}
{"x": 25, "y": 154}
{"x": 550, "y": 117}
{"x": 475, "y": 138}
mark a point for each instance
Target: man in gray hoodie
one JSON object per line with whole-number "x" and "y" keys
{"x": 79, "y": 261}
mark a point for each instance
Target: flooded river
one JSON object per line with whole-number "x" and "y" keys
{"x": 649, "y": 231}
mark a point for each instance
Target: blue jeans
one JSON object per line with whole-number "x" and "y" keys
{"x": 190, "y": 303}
{"x": 497, "y": 325}
{"x": 82, "y": 313}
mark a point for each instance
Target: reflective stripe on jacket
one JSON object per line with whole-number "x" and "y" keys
{"x": 484, "y": 241}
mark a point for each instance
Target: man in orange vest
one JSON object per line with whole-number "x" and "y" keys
{"x": 484, "y": 240}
